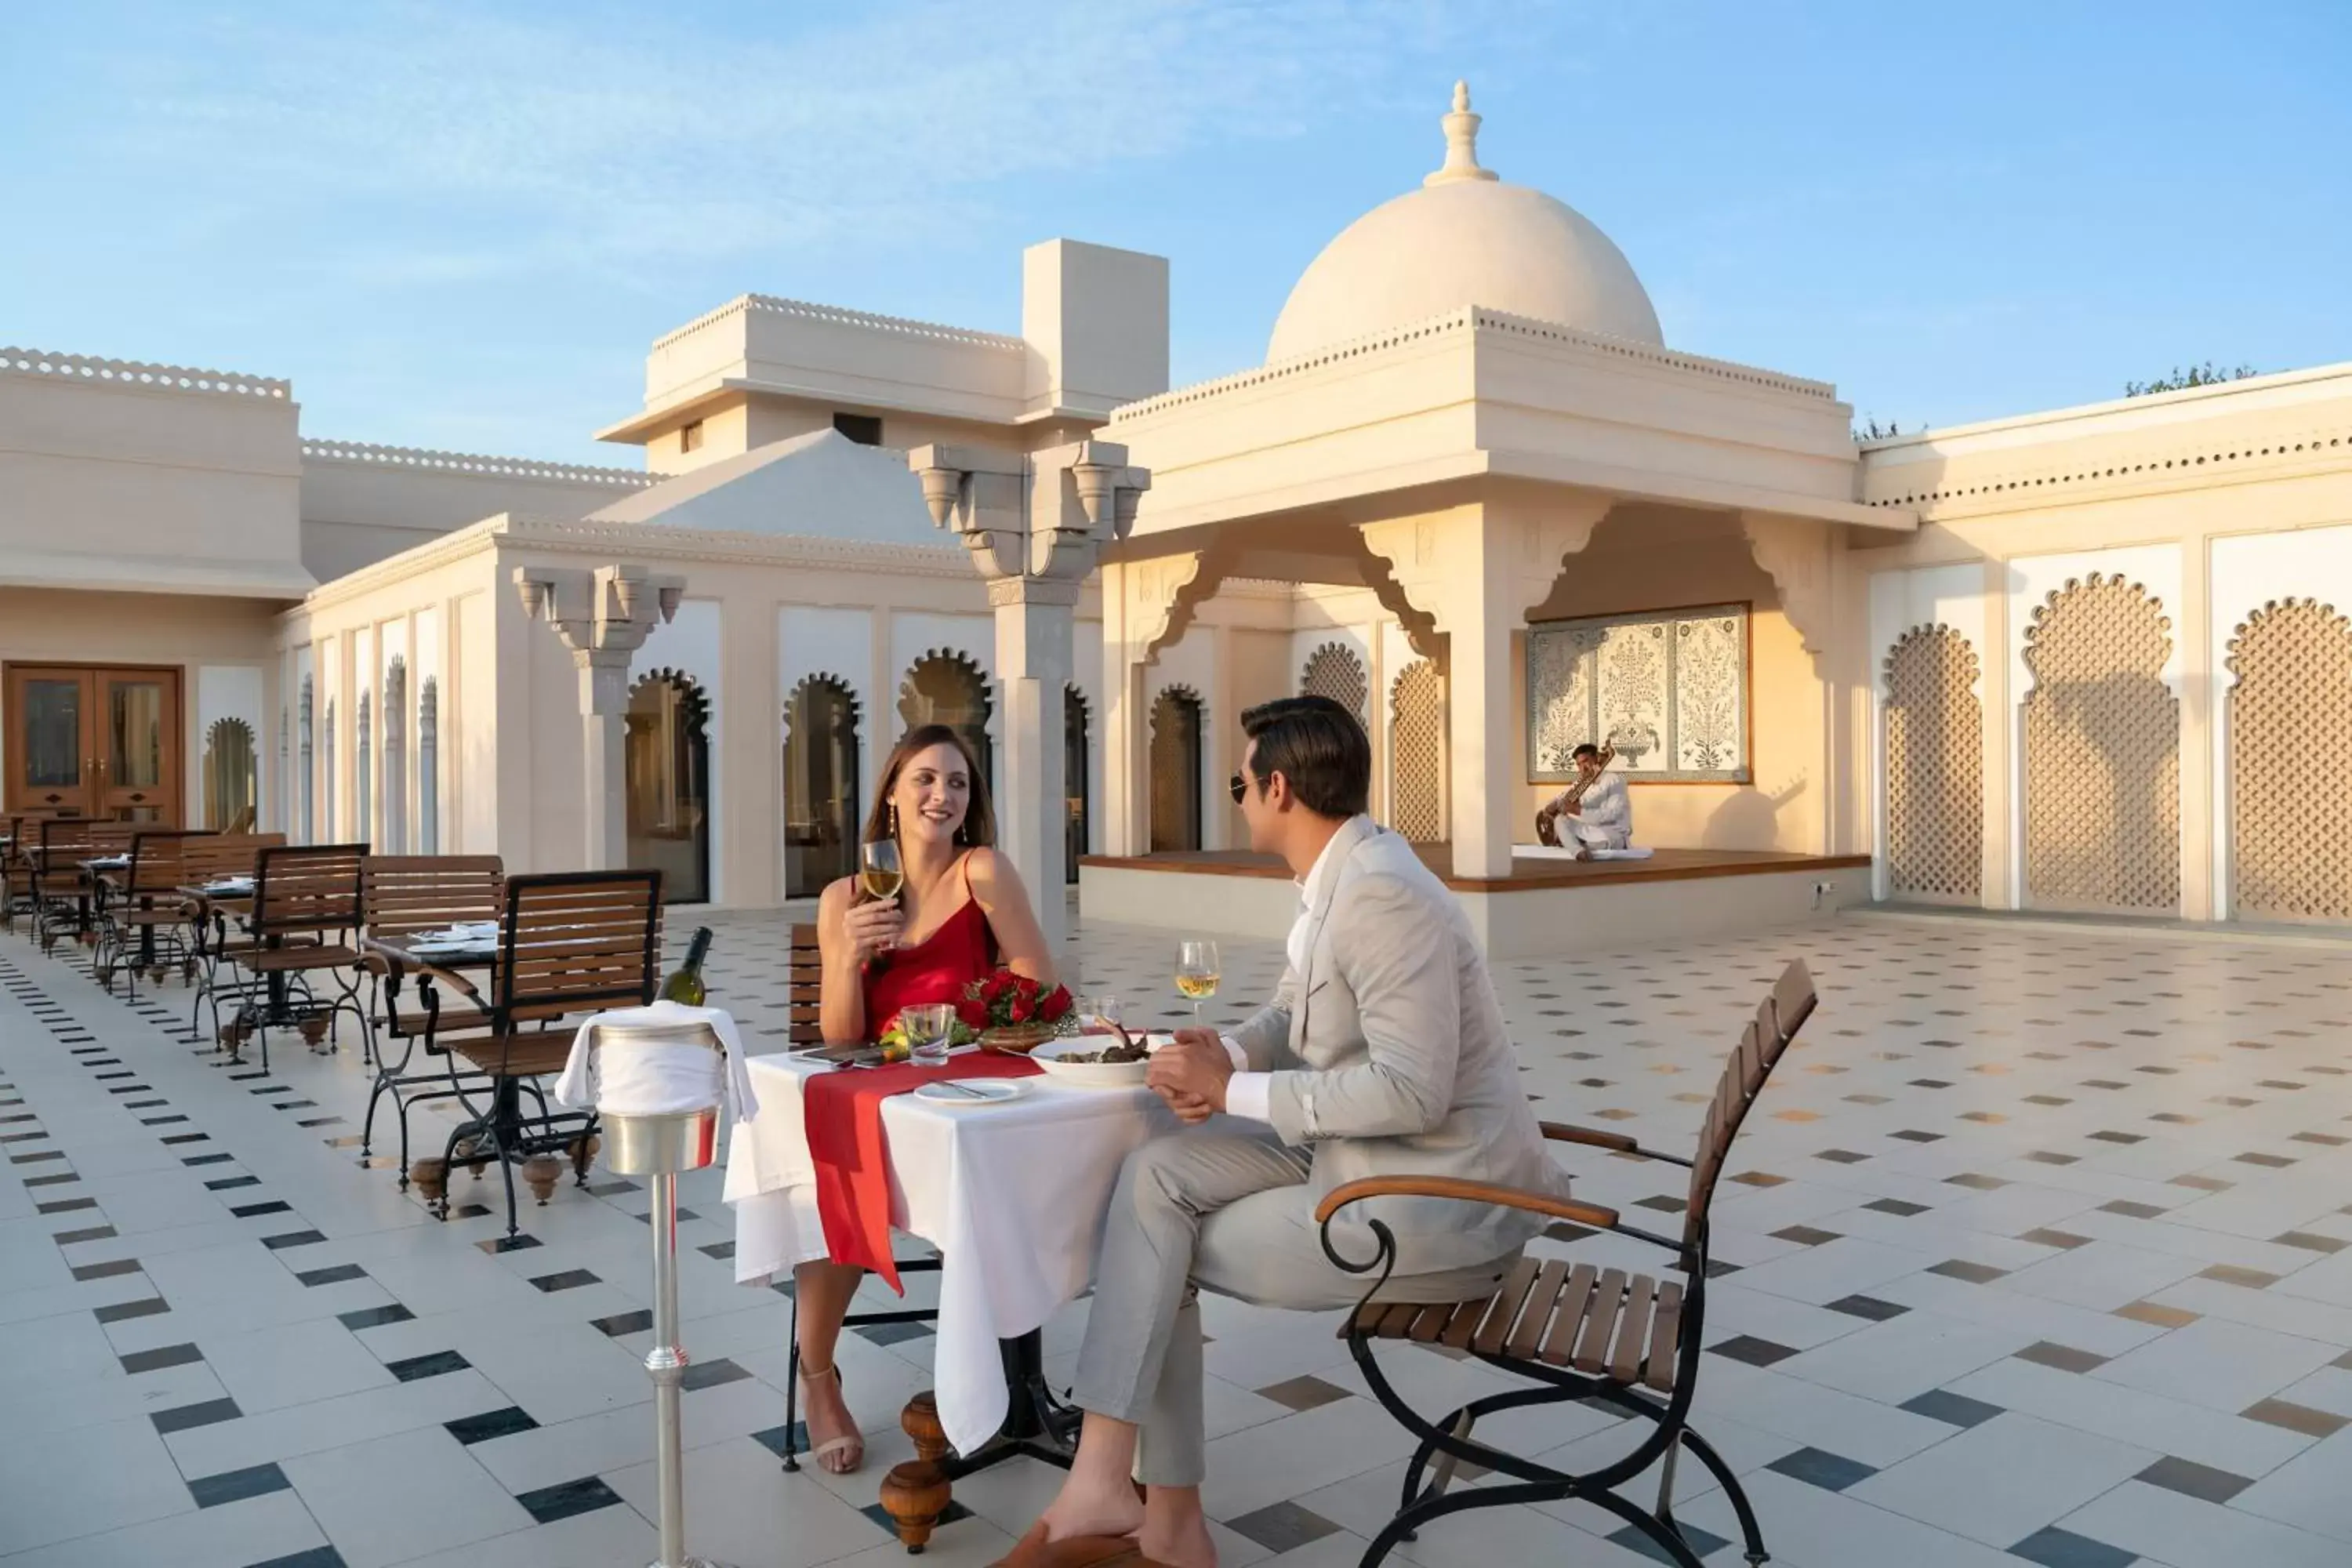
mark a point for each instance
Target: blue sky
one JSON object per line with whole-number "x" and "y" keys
{"x": 460, "y": 225}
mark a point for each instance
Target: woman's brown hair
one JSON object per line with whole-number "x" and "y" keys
{"x": 979, "y": 828}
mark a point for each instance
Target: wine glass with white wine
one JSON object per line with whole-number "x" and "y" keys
{"x": 878, "y": 870}
{"x": 1196, "y": 973}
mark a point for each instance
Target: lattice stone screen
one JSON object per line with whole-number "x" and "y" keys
{"x": 1333, "y": 670}
{"x": 2290, "y": 758}
{"x": 2102, "y": 753}
{"x": 1417, "y": 753}
{"x": 1935, "y": 767}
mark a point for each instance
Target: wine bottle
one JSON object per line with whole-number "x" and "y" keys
{"x": 684, "y": 987}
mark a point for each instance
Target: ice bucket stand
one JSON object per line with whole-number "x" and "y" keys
{"x": 661, "y": 1147}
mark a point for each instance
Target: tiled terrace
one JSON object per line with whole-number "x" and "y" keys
{"x": 2037, "y": 1248}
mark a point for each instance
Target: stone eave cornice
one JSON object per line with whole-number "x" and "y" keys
{"x": 435, "y": 553}
{"x": 424, "y": 459}
{"x": 1472, "y": 464}
{"x": 87, "y": 370}
{"x": 1471, "y": 323}
{"x": 647, "y": 541}
{"x": 660, "y": 541}
{"x": 2170, "y": 458}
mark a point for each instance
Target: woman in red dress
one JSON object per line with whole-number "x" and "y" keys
{"x": 960, "y": 915}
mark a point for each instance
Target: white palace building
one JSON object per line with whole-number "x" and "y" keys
{"x": 2094, "y": 659}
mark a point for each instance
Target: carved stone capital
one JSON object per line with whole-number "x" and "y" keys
{"x": 1043, "y": 515}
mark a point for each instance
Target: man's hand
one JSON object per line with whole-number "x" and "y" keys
{"x": 1191, "y": 1075}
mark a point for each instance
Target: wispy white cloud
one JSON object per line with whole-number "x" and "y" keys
{"x": 620, "y": 141}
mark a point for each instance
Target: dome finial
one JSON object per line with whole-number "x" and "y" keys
{"x": 1460, "y": 144}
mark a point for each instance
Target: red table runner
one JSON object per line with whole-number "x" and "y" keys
{"x": 844, "y": 1115}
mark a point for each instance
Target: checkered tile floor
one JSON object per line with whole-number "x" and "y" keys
{"x": 2038, "y": 1248}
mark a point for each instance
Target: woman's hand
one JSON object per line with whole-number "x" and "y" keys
{"x": 871, "y": 928}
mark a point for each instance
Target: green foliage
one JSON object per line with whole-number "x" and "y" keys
{"x": 2206, "y": 375}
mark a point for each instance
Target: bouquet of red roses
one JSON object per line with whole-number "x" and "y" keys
{"x": 1009, "y": 1001}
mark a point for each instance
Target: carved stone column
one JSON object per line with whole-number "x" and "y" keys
{"x": 1034, "y": 525}
{"x": 1477, "y": 571}
{"x": 603, "y": 616}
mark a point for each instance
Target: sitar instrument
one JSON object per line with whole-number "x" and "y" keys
{"x": 1546, "y": 819}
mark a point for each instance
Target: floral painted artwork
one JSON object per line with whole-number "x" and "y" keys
{"x": 1668, "y": 691}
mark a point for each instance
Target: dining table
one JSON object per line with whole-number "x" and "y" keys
{"x": 1013, "y": 1194}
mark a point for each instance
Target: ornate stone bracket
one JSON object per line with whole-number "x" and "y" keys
{"x": 1426, "y": 572}
{"x": 1796, "y": 553}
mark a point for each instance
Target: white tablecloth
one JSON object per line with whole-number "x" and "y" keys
{"x": 1012, "y": 1195}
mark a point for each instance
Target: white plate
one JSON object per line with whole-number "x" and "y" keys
{"x": 984, "y": 1091}
{"x": 1091, "y": 1075}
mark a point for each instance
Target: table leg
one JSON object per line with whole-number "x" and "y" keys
{"x": 916, "y": 1493}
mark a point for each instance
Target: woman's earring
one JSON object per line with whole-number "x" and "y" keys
{"x": 894, "y": 818}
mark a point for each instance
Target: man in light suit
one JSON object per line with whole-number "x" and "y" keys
{"x": 1383, "y": 1053}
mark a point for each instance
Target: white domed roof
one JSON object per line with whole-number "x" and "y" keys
{"x": 1465, "y": 238}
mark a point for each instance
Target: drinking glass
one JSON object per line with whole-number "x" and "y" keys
{"x": 929, "y": 1027}
{"x": 1097, "y": 1013}
{"x": 1196, "y": 973}
{"x": 878, "y": 870}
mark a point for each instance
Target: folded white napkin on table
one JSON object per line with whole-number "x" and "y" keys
{"x": 658, "y": 1080}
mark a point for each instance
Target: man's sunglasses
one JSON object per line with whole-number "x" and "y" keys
{"x": 1239, "y": 785}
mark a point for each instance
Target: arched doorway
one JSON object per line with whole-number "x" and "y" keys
{"x": 2290, "y": 712}
{"x": 229, "y": 769}
{"x": 1074, "y": 779}
{"x": 1417, "y": 753}
{"x": 2102, "y": 753}
{"x": 1175, "y": 771}
{"x": 946, "y": 688}
{"x": 820, "y": 786}
{"x": 1333, "y": 670}
{"x": 1934, "y": 768}
{"x": 668, "y": 758}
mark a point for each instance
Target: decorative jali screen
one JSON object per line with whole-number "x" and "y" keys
{"x": 1668, "y": 689}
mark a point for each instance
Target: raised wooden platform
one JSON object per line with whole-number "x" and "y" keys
{"x": 1545, "y": 906}
{"x": 1663, "y": 866}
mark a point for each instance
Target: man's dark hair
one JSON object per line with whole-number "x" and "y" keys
{"x": 1319, "y": 747}
{"x": 1586, "y": 750}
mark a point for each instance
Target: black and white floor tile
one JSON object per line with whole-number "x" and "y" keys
{"x": 2038, "y": 1249}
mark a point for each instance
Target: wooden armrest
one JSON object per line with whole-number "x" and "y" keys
{"x": 451, "y": 978}
{"x": 1565, "y": 1132}
{"x": 1465, "y": 1192}
{"x": 1615, "y": 1142}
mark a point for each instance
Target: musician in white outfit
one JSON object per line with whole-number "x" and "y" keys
{"x": 1602, "y": 817}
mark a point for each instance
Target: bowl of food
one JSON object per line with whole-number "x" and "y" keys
{"x": 1109, "y": 1060}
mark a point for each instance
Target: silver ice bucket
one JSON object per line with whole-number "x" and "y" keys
{"x": 664, "y": 1144}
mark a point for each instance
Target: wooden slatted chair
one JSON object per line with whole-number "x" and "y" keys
{"x": 1624, "y": 1340}
{"x": 215, "y": 857}
{"x": 805, "y": 998}
{"x": 404, "y": 895}
{"x": 58, "y": 885}
{"x": 143, "y": 925}
{"x": 804, "y": 975}
{"x": 16, "y": 857}
{"x": 571, "y": 942}
{"x": 306, "y": 916}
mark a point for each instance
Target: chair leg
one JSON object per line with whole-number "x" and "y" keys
{"x": 1704, "y": 1451}
{"x": 792, "y": 1396}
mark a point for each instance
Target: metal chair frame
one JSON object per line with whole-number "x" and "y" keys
{"x": 1593, "y": 1373}
{"x": 542, "y": 1000}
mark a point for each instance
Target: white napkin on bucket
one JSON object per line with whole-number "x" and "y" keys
{"x": 658, "y": 1080}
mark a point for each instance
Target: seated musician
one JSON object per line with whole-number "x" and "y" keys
{"x": 1595, "y": 811}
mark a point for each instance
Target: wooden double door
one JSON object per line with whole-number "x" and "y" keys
{"x": 101, "y": 740}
